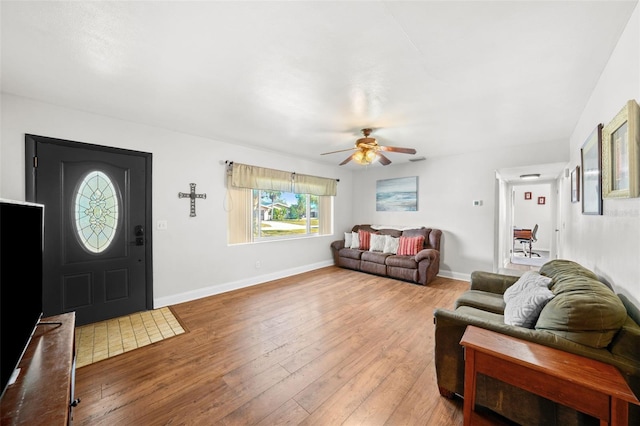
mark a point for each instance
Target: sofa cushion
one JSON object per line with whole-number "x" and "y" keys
{"x": 417, "y": 232}
{"x": 393, "y": 232}
{"x": 480, "y": 315}
{"x": 523, "y": 308}
{"x": 364, "y": 238}
{"x": 347, "y": 239}
{"x": 375, "y": 257}
{"x": 391, "y": 244}
{"x": 485, "y": 300}
{"x": 562, "y": 270}
{"x": 408, "y": 262}
{"x": 350, "y": 253}
{"x": 377, "y": 242}
{"x": 526, "y": 281}
{"x": 410, "y": 246}
{"x": 355, "y": 241}
{"x": 584, "y": 310}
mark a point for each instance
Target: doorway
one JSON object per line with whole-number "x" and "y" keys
{"x": 517, "y": 207}
{"x": 97, "y": 258}
{"x": 532, "y": 217}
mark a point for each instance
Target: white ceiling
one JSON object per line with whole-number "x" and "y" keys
{"x": 304, "y": 77}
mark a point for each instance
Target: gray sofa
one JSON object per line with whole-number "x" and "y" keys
{"x": 421, "y": 268}
{"x": 584, "y": 317}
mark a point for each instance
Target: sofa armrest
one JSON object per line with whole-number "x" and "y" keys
{"x": 337, "y": 245}
{"x": 491, "y": 282}
{"x": 431, "y": 254}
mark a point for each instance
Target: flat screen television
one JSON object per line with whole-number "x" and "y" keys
{"x": 21, "y": 251}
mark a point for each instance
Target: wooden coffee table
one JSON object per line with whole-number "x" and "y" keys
{"x": 584, "y": 384}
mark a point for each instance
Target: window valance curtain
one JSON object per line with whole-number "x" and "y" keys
{"x": 254, "y": 177}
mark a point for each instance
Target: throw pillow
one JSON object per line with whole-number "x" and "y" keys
{"x": 410, "y": 246}
{"x": 524, "y": 309}
{"x": 377, "y": 242}
{"x": 355, "y": 241}
{"x": 365, "y": 239}
{"x": 527, "y": 280}
{"x": 347, "y": 239}
{"x": 391, "y": 244}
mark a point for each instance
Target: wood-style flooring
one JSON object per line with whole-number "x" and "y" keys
{"x": 327, "y": 347}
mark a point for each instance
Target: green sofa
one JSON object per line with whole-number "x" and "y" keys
{"x": 584, "y": 316}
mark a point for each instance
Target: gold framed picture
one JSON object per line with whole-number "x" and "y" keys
{"x": 621, "y": 152}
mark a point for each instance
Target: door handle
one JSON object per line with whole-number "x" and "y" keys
{"x": 139, "y": 233}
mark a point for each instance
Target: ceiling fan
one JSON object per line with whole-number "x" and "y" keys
{"x": 367, "y": 150}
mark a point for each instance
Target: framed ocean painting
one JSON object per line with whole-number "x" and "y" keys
{"x": 399, "y": 194}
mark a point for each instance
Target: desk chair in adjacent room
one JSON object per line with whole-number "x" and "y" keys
{"x": 529, "y": 242}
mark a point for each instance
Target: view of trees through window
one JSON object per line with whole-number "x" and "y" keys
{"x": 281, "y": 214}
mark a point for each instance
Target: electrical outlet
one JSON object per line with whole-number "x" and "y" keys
{"x": 258, "y": 264}
{"x": 162, "y": 225}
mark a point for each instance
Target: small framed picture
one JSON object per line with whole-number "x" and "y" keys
{"x": 591, "y": 182}
{"x": 527, "y": 195}
{"x": 541, "y": 200}
{"x": 575, "y": 185}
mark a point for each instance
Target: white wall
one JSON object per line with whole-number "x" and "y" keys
{"x": 608, "y": 244}
{"x": 447, "y": 187}
{"x": 191, "y": 258}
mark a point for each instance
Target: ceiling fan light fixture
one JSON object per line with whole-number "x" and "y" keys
{"x": 367, "y": 151}
{"x": 358, "y": 157}
{"x": 364, "y": 156}
{"x": 370, "y": 155}
{"x": 530, "y": 176}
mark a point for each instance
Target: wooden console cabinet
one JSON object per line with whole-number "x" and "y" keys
{"x": 43, "y": 392}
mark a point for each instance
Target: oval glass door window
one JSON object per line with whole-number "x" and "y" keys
{"x": 96, "y": 210}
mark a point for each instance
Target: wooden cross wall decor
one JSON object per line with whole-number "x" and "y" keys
{"x": 192, "y": 196}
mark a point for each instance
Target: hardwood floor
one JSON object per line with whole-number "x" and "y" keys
{"x": 327, "y": 347}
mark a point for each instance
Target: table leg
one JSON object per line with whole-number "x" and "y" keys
{"x": 619, "y": 412}
{"x": 469, "y": 385}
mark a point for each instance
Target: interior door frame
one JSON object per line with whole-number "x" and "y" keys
{"x": 504, "y": 220}
{"x": 30, "y": 191}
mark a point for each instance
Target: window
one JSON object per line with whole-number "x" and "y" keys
{"x": 281, "y": 214}
{"x": 266, "y": 205}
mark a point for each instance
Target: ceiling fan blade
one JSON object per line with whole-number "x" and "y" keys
{"x": 398, "y": 149}
{"x": 346, "y": 161}
{"x": 383, "y": 160}
{"x": 341, "y": 150}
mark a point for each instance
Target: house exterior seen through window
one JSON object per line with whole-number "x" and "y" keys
{"x": 278, "y": 214}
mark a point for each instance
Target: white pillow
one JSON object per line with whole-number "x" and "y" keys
{"x": 347, "y": 239}
{"x": 524, "y": 308}
{"x": 527, "y": 280}
{"x": 377, "y": 242}
{"x": 391, "y": 244}
{"x": 355, "y": 240}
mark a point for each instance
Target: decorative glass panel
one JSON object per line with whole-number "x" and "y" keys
{"x": 96, "y": 211}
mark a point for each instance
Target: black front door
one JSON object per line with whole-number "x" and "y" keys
{"x": 97, "y": 256}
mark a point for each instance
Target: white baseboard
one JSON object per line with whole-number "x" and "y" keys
{"x": 235, "y": 285}
{"x": 455, "y": 275}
